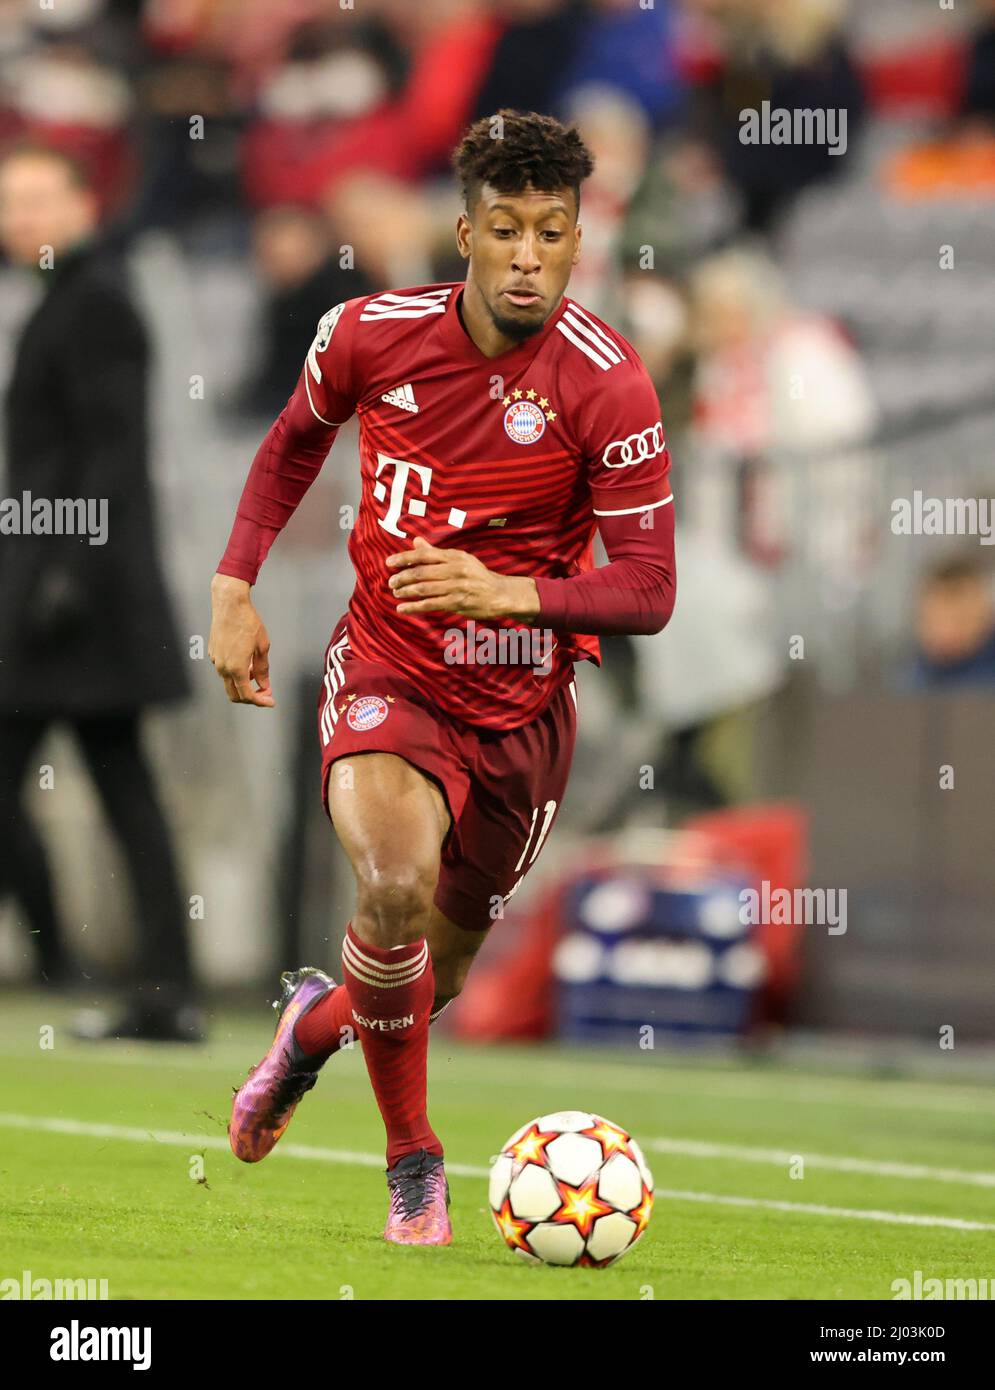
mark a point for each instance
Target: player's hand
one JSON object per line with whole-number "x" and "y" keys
{"x": 432, "y": 580}
{"x": 238, "y": 646}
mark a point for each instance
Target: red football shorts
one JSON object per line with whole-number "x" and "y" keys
{"x": 503, "y": 786}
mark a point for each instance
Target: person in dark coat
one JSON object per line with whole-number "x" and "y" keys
{"x": 87, "y": 635}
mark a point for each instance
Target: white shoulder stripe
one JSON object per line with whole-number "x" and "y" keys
{"x": 418, "y": 293}
{"x": 586, "y": 348}
{"x": 380, "y": 306}
{"x": 604, "y": 345}
{"x": 391, "y": 298}
{"x": 402, "y": 313}
{"x": 595, "y": 327}
{"x": 396, "y": 306}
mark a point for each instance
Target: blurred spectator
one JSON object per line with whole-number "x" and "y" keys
{"x": 630, "y": 48}
{"x": 86, "y": 629}
{"x": 342, "y": 101}
{"x": 979, "y": 86}
{"x": 773, "y": 384}
{"x": 187, "y": 131}
{"x": 388, "y": 224}
{"x": 955, "y": 627}
{"x": 616, "y": 131}
{"x": 771, "y": 376}
{"x": 709, "y": 682}
{"x": 520, "y": 72}
{"x": 61, "y": 96}
{"x": 678, "y": 210}
{"x": 655, "y": 314}
{"x": 249, "y": 36}
{"x": 338, "y": 105}
{"x": 790, "y": 53}
{"x": 303, "y": 277}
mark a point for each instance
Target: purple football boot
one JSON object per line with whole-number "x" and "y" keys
{"x": 419, "y": 1197}
{"x": 262, "y": 1108}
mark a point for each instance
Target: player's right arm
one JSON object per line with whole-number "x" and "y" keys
{"x": 286, "y": 464}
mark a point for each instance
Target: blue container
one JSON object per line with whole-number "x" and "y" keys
{"x": 641, "y": 963}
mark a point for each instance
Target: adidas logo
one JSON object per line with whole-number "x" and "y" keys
{"x": 402, "y": 396}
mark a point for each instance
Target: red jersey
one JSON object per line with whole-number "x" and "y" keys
{"x": 513, "y": 458}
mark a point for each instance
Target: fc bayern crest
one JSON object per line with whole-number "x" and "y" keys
{"x": 524, "y": 422}
{"x": 366, "y": 713}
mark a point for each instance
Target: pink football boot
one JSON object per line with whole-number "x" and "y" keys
{"x": 262, "y": 1108}
{"x": 419, "y": 1197}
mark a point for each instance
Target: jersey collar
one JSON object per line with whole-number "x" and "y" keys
{"x": 461, "y": 345}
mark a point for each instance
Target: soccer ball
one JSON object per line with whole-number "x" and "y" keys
{"x": 571, "y": 1189}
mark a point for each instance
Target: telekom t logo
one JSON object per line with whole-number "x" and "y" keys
{"x": 416, "y": 505}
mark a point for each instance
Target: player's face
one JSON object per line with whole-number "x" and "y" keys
{"x": 521, "y": 248}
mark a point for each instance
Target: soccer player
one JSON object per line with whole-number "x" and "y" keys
{"x": 501, "y": 424}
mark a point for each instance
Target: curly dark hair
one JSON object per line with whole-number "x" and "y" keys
{"x": 522, "y": 149}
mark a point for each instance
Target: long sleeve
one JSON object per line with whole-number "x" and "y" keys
{"x": 621, "y": 434}
{"x": 286, "y": 464}
{"x": 297, "y": 444}
{"x": 634, "y": 593}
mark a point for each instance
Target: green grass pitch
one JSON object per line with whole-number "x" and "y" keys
{"x": 98, "y": 1180}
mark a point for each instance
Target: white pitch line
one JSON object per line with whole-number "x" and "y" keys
{"x": 693, "y": 1148}
{"x": 894, "y": 1218}
{"x": 195, "y": 1142}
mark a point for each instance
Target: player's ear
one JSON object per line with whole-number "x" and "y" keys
{"x": 577, "y": 238}
{"x": 464, "y": 235}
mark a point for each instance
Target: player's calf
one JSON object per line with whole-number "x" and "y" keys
{"x": 391, "y": 991}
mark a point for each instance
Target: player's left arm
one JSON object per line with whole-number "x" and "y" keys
{"x": 628, "y": 467}
{"x": 623, "y": 440}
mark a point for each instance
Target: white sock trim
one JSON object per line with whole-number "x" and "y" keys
{"x": 379, "y": 974}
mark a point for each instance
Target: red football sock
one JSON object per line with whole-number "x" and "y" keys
{"x": 326, "y": 1026}
{"x": 391, "y": 994}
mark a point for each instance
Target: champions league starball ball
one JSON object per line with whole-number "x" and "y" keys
{"x": 571, "y": 1188}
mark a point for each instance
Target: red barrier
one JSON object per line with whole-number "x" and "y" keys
{"x": 511, "y": 996}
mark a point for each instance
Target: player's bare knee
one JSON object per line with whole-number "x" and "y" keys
{"x": 394, "y": 905}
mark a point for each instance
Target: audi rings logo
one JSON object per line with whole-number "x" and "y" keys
{"x": 638, "y": 448}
